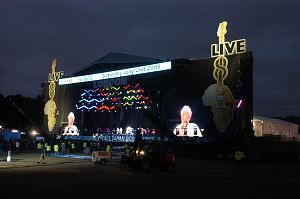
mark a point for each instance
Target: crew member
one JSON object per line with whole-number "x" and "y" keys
{"x": 39, "y": 146}
{"x": 48, "y": 149}
{"x": 73, "y": 147}
{"x": 108, "y": 149}
{"x": 239, "y": 157}
{"x": 56, "y": 147}
{"x": 42, "y": 156}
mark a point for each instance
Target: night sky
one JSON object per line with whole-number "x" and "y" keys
{"x": 78, "y": 32}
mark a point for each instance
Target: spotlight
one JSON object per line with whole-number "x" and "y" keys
{"x": 34, "y": 133}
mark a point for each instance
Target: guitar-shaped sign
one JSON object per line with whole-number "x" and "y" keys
{"x": 218, "y": 95}
{"x": 50, "y": 108}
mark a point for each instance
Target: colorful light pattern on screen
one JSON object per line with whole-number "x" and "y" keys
{"x": 114, "y": 98}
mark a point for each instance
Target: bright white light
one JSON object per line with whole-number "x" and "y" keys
{"x": 129, "y": 130}
{"x": 34, "y": 133}
{"x": 117, "y": 73}
{"x": 142, "y": 152}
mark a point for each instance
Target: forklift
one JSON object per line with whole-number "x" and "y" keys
{"x": 154, "y": 151}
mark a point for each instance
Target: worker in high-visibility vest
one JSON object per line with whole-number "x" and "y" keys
{"x": 239, "y": 157}
{"x": 84, "y": 145}
{"x": 56, "y": 147}
{"x": 127, "y": 150}
{"x": 39, "y": 146}
{"x": 48, "y": 149}
{"x": 108, "y": 149}
{"x": 73, "y": 147}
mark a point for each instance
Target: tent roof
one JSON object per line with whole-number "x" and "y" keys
{"x": 272, "y": 120}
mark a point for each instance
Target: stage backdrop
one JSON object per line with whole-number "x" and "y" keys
{"x": 156, "y": 100}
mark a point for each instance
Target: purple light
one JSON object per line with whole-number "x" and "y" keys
{"x": 240, "y": 103}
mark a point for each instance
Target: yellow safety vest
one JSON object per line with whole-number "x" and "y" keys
{"x": 108, "y": 148}
{"x": 56, "y": 148}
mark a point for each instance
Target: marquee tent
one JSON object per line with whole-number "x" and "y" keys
{"x": 271, "y": 126}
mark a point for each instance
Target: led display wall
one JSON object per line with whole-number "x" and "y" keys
{"x": 114, "y": 97}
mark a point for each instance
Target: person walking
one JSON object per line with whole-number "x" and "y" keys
{"x": 17, "y": 146}
{"x": 43, "y": 154}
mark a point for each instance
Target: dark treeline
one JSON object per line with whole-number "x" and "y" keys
{"x": 21, "y": 113}
{"x": 293, "y": 119}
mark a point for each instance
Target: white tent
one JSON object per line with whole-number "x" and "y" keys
{"x": 266, "y": 126}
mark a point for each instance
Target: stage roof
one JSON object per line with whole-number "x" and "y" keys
{"x": 113, "y": 61}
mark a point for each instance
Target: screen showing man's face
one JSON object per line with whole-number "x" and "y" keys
{"x": 185, "y": 117}
{"x": 71, "y": 120}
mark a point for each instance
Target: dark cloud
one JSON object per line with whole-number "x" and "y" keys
{"x": 77, "y": 32}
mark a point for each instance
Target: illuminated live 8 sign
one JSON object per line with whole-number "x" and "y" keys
{"x": 117, "y": 73}
{"x": 227, "y": 47}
